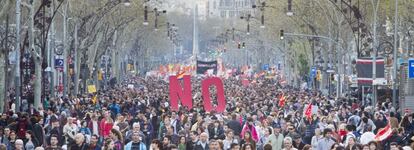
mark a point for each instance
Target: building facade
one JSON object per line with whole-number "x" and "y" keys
{"x": 230, "y": 8}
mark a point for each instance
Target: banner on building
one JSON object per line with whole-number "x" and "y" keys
{"x": 204, "y": 66}
{"x": 364, "y": 69}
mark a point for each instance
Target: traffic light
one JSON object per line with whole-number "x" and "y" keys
{"x": 282, "y": 34}
{"x": 262, "y": 21}
{"x": 289, "y": 5}
{"x": 332, "y": 77}
{"x": 145, "y": 15}
{"x": 244, "y": 45}
{"x": 238, "y": 45}
{"x": 289, "y": 8}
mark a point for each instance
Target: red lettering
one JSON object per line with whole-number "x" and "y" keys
{"x": 177, "y": 92}
{"x": 205, "y": 84}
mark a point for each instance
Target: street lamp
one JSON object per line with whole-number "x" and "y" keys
{"x": 248, "y": 22}
{"x": 262, "y": 8}
{"x": 157, "y": 13}
{"x": 127, "y": 3}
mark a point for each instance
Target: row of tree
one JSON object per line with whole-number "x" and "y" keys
{"x": 87, "y": 30}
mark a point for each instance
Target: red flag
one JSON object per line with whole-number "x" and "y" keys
{"x": 282, "y": 100}
{"x": 245, "y": 82}
{"x": 384, "y": 133}
{"x": 308, "y": 112}
{"x": 180, "y": 75}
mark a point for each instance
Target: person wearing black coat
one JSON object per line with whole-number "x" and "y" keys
{"x": 235, "y": 125}
{"x": 395, "y": 137}
{"x": 37, "y": 130}
{"x": 79, "y": 143}
{"x": 191, "y": 144}
{"x": 215, "y": 131}
{"x": 57, "y": 131}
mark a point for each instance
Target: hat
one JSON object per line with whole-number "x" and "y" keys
{"x": 296, "y": 136}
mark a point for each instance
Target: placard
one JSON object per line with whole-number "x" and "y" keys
{"x": 91, "y": 89}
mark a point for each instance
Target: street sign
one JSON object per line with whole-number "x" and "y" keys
{"x": 266, "y": 67}
{"x": 12, "y": 57}
{"x": 330, "y": 71}
{"x": 58, "y": 63}
{"x": 313, "y": 72}
{"x": 411, "y": 69}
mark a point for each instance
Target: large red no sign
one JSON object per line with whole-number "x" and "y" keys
{"x": 183, "y": 92}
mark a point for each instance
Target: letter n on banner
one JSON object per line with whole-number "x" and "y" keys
{"x": 177, "y": 92}
{"x": 205, "y": 84}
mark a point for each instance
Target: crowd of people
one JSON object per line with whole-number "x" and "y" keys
{"x": 139, "y": 117}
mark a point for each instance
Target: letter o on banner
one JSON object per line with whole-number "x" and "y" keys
{"x": 205, "y": 84}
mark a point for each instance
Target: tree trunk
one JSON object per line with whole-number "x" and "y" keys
{"x": 36, "y": 53}
{"x": 115, "y": 65}
{"x": 2, "y": 79}
{"x": 77, "y": 62}
{"x": 92, "y": 56}
{"x": 5, "y": 8}
{"x": 38, "y": 83}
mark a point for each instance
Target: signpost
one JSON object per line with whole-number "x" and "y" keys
{"x": 313, "y": 72}
{"x": 312, "y": 76}
{"x": 266, "y": 67}
{"x": 411, "y": 69}
{"x": 59, "y": 63}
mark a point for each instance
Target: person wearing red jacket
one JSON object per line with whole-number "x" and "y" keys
{"x": 105, "y": 125}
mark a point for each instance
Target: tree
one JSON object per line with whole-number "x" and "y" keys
{"x": 5, "y": 7}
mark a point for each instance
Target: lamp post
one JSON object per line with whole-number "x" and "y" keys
{"x": 262, "y": 9}
{"x": 374, "y": 48}
{"x": 248, "y": 22}
{"x": 127, "y": 3}
{"x": 156, "y": 12}
{"x": 394, "y": 87}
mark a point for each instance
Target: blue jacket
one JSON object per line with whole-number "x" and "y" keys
{"x": 115, "y": 109}
{"x": 141, "y": 146}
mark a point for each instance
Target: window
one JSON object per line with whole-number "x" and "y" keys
{"x": 223, "y": 14}
{"x": 228, "y": 3}
{"x": 252, "y": 2}
{"x": 231, "y": 14}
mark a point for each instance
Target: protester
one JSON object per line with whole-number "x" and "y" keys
{"x": 135, "y": 143}
{"x": 54, "y": 141}
{"x": 287, "y": 144}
